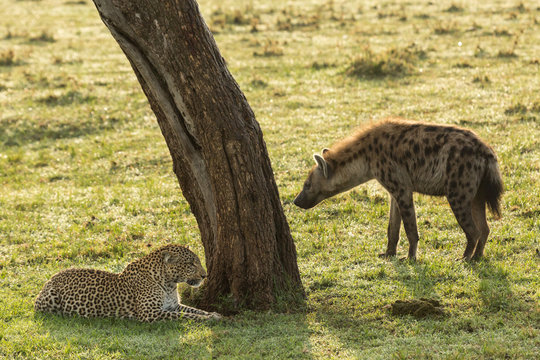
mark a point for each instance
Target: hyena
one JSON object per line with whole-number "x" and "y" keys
{"x": 406, "y": 157}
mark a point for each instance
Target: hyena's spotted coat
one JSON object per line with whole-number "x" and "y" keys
{"x": 407, "y": 157}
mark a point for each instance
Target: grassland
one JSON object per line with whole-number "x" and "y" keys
{"x": 86, "y": 178}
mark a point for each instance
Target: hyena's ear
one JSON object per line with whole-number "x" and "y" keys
{"x": 322, "y": 164}
{"x": 325, "y": 150}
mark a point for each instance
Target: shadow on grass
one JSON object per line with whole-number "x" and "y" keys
{"x": 17, "y": 132}
{"x": 247, "y": 336}
{"x": 419, "y": 277}
{"x": 494, "y": 288}
{"x": 338, "y": 334}
{"x": 119, "y": 338}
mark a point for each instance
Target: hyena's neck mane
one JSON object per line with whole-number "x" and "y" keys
{"x": 352, "y": 148}
{"x": 366, "y": 143}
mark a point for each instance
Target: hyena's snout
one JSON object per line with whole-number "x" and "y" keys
{"x": 299, "y": 200}
{"x": 304, "y": 201}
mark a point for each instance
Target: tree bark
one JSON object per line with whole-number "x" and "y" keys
{"x": 218, "y": 152}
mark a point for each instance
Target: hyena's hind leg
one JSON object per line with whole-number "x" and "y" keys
{"x": 462, "y": 210}
{"x": 479, "y": 217}
{"x": 394, "y": 225}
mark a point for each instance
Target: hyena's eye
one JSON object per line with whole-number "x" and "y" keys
{"x": 307, "y": 185}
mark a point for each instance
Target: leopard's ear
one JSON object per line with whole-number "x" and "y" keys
{"x": 171, "y": 257}
{"x": 168, "y": 257}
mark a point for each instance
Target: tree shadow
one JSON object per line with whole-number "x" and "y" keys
{"x": 248, "y": 335}
{"x": 105, "y": 337}
{"x": 348, "y": 333}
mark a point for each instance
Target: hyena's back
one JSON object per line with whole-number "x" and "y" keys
{"x": 431, "y": 159}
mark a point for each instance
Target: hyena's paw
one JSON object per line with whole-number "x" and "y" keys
{"x": 477, "y": 257}
{"x": 410, "y": 259}
{"x": 386, "y": 255}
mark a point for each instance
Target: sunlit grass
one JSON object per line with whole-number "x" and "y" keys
{"x": 87, "y": 179}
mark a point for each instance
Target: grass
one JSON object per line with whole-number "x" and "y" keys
{"x": 7, "y": 58}
{"x": 394, "y": 62}
{"x": 87, "y": 179}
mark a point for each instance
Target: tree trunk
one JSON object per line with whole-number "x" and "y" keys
{"x": 218, "y": 152}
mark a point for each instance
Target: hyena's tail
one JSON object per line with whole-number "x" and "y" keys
{"x": 492, "y": 187}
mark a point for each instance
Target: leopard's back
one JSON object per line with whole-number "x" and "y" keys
{"x": 88, "y": 293}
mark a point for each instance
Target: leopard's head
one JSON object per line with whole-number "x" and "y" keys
{"x": 182, "y": 265}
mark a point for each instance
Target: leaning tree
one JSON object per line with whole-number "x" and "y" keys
{"x": 218, "y": 152}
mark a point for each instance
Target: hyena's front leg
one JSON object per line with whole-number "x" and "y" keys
{"x": 394, "y": 224}
{"x": 405, "y": 203}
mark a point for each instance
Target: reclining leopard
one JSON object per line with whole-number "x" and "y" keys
{"x": 146, "y": 290}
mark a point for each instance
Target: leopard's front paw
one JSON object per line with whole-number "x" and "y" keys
{"x": 214, "y": 316}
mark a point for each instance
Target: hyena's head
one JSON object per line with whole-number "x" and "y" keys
{"x": 318, "y": 185}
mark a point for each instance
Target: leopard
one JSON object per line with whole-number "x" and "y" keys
{"x": 146, "y": 290}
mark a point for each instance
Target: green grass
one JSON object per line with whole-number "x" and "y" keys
{"x": 86, "y": 178}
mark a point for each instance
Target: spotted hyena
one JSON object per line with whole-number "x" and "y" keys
{"x": 407, "y": 157}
